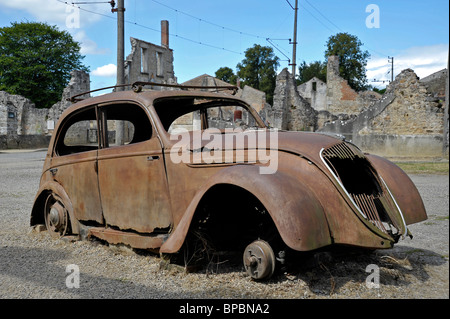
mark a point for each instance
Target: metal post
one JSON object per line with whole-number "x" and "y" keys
{"x": 391, "y": 60}
{"x": 294, "y": 51}
{"x": 120, "y": 63}
{"x": 120, "y": 42}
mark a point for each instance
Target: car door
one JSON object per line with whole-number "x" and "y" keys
{"x": 132, "y": 178}
{"x": 74, "y": 163}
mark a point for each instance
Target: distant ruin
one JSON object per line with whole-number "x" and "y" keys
{"x": 149, "y": 62}
{"x": 407, "y": 121}
{"x": 22, "y": 125}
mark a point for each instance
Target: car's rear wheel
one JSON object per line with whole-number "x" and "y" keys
{"x": 259, "y": 260}
{"x": 56, "y": 216}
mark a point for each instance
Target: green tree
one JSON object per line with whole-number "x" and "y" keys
{"x": 258, "y": 69}
{"x": 226, "y": 74}
{"x": 36, "y": 60}
{"x": 352, "y": 59}
{"x": 316, "y": 69}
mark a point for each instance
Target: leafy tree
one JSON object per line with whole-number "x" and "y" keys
{"x": 352, "y": 59}
{"x": 380, "y": 91}
{"x": 36, "y": 60}
{"x": 258, "y": 69}
{"x": 316, "y": 69}
{"x": 226, "y": 74}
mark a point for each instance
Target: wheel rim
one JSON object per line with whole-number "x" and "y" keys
{"x": 259, "y": 260}
{"x": 56, "y": 218}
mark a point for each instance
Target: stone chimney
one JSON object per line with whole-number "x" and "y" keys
{"x": 165, "y": 33}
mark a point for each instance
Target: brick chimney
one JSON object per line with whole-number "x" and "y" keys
{"x": 165, "y": 33}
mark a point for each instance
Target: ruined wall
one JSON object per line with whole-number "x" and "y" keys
{"x": 290, "y": 111}
{"x": 148, "y": 62}
{"x": 405, "y": 122}
{"x": 341, "y": 98}
{"x": 315, "y": 92}
{"x": 79, "y": 83}
{"x": 22, "y": 125}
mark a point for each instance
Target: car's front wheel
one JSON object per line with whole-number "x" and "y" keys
{"x": 56, "y": 216}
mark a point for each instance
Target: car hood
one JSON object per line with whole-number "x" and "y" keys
{"x": 306, "y": 144}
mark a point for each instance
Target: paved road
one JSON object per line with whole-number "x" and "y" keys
{"x": 35, "y": 266}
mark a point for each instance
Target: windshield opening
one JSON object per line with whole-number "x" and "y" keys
{"x": 199, "y": 113}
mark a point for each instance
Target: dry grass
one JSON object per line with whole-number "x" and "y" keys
{"x": 440, "y": 168}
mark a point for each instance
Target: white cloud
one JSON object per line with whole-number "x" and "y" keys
{"x": 423, "y": 61}
{"x": 88, "y": 46}
{"x": 65, "y": 16}
{"x": 58, "y": 12}
{"x": 109, "y": 70}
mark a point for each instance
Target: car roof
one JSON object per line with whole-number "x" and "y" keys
{"x": 146, "y": 97}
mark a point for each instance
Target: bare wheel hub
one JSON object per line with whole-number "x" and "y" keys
{"x": 56, "y": 219}
{"x": 259, "y": 260}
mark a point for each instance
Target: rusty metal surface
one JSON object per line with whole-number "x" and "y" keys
{"x": 134, "y": 190}
{"x": 403, "y": 189}
{"x": 151, "y": 201}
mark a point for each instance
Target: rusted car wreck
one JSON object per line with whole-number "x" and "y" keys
{"x": 154, "y": 169}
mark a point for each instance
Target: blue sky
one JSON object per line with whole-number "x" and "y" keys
{"x": 206, "y": 34}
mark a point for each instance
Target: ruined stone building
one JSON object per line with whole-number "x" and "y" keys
{"x": 22, "y": 125}
{"x": 407, "y": 121}
{"x": 149, "y": 62}
{"x": 254, "y": 97}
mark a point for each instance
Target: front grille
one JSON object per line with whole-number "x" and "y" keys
{"x": 362, "y": 184}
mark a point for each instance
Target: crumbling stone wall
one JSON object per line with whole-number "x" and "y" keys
{"x": 341, "y": 98}
{"x": 19, "y": 118}
{"x": 409, "y": 120}
{"x": 22, "y": 125}
{"x": 290, "y": 111}
{"x": 412, "y": 112}
{"x": 405, "y": 122}
{"x": 79, "y": 83}
{"x": 315, "y": 92}
{"x": 148, "y": 62}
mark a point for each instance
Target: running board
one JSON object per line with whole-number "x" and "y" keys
{"x": 134, "y": 240}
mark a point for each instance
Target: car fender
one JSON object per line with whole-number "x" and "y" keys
{"x": 297, "y": 214}
{"x": 402, "y": 188}
{"x": 39, "y": 202}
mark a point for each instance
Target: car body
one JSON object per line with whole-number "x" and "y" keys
{"x": 150, "y": 169}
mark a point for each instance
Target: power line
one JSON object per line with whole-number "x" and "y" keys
{"x": 276, "y": 47}
{"x": 323, "y": 15}
{"x": 150, "y": 28}
{"x": 290, "y": 5}
{"x": 316, "y": 17}
{"x": 177, "y": 35}
{"x": 209, "y": 22}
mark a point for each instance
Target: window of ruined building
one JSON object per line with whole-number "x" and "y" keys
{"x": 159, "y": 64}
{"x": 11, "y": 115}
{"x": 144, "y": 60}
{"x": 314, "y": 86}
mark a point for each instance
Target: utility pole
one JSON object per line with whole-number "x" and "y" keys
{"x": 120, "y": 42}
{"x": 391, "y": 60}
{"x": 120, "y": 61}
{"x": 294, "y": 51}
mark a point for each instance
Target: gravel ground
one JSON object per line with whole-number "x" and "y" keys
{"x": 32, "y": 265}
